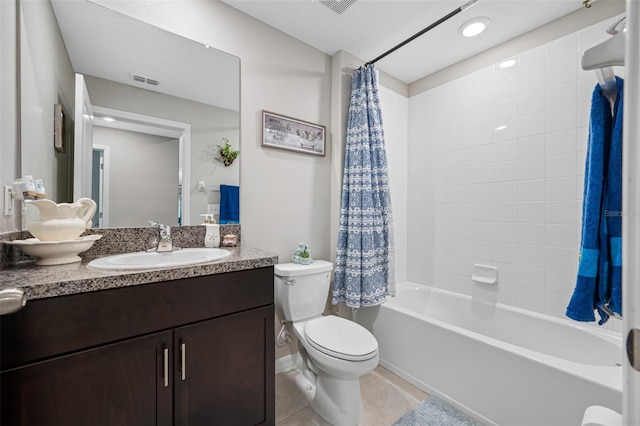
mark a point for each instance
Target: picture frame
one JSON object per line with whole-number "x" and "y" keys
{"x": 292, "y": 134}
{"x": 58, "y": 128}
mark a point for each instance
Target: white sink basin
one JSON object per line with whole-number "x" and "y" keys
{"x": 153, "y": 260}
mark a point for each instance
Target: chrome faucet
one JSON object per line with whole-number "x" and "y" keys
{"x": 164, "y": 233}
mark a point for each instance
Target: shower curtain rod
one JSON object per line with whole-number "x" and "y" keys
{"x": 430, "y": 27}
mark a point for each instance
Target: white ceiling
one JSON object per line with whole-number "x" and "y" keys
{"x": 112, "y": 46}
{"x": 369, "y": 28}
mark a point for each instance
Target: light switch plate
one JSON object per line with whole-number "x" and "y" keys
{"x": 213, "y": 209}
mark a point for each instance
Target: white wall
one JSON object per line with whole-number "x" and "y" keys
{"x": 140, "y": 194}
{"x": 395, "y": 113}
{"x": 9, "y": 132}
{"x": 46, "y": 78}
{"x": 284, "y": 196}
{"x": 512, "y": 197}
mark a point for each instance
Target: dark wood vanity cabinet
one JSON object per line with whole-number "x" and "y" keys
{"x": 197, "y": 351}
{"x": 221, "y": 387}
{"x": 112, "y": 385}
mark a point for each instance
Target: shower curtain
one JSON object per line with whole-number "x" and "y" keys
{"x": 364, "y": 262}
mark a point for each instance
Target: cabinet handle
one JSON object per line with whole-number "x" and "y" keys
{"x": 11, "y": 300}
{"x": 183, "y": 354}
{"x": 166, "y": 367}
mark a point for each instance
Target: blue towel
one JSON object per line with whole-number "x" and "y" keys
{"x": 598, "y": 285}
{"x": 229, "y": 204}
{"x": 613, "y": 209}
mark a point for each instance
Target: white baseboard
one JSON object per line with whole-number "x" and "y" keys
{"x": 288, "y": 363}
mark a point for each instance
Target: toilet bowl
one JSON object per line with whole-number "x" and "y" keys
{"x": 335, "y": 351}
{"x": 339, "y": 346}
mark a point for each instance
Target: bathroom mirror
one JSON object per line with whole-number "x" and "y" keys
{"x": 174, "y": 100}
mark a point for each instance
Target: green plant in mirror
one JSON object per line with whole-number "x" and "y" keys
{"x": 226, "y": 155}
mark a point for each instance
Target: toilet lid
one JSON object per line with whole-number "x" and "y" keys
{"x": 341, "y": 338}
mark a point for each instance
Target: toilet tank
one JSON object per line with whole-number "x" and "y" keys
{"x": 302, "y": 290}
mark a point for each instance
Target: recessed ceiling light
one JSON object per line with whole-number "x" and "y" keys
{"x": 474, "y": 26}
{"x": 508, "y": 63}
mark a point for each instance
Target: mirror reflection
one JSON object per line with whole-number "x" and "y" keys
{"x": 143, "y": 114}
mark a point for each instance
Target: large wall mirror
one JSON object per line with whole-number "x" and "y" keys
{"x": 141, "y": 114}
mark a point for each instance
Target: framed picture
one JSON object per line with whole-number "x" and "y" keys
{"x": 279, "y": 131}
{"x": 58, "y": 128}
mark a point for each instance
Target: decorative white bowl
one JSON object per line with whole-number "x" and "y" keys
{"x": 56, "y": 252}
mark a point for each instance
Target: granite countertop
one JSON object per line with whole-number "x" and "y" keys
{"x": 50, "y": 281}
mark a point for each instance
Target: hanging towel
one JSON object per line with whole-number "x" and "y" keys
{"x": 611, "y": 296}
{"x": 598, "y": 283}
{"x": 229, "y": 204}
{"x": 364, "y": 255}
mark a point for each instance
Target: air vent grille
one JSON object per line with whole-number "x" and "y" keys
{"x": 338, "y": 6}
{"x": 144, "y": 80}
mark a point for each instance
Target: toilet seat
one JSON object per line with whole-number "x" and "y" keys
{"x": 341, "y": 338}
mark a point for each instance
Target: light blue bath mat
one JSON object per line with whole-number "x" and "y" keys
{"x": 435, "y": 412}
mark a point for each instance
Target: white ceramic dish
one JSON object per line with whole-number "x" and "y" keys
{"x": 56, "y": 252}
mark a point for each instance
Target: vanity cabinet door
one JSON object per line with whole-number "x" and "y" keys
{"x": 117, "y": 384}
{"x": 225, "y": 372}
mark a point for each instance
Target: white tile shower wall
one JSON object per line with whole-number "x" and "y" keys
{"x": 495, "y": 176}
{"x": 395, "y": 109}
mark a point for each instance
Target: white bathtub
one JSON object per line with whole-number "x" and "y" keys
{"x": 497, "y": 363}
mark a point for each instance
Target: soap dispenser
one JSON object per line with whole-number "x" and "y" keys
{"x": 212, "y": 234}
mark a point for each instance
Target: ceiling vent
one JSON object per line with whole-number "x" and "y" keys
{"x": 338, "y": 6}
{"x": 144, "y": 80}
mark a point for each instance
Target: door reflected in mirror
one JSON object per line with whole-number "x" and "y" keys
{"x": 117, "y": 146}
{"x": 143, "y": 72}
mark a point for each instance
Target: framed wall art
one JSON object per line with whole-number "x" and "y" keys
{"x": 282, "y": 132}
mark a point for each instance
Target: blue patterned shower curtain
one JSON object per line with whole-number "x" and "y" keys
{"x": 365, "y": 259}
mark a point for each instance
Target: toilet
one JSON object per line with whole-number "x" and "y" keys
{"x": 335, "y": 351}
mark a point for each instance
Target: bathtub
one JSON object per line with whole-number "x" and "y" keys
{"x": 499, "y": 364}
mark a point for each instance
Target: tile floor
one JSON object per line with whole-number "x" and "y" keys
{"x": 385, "y": 398}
